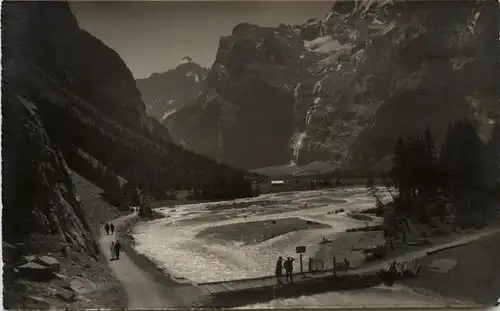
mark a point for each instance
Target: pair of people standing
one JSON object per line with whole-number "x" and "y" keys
{"x": 109, "y": 227}
{"x": 115, "y": 249}
{"x": 288, "y": 266}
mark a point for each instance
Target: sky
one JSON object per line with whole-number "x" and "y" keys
{"x": 154, "y": 36}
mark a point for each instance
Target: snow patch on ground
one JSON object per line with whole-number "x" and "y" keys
{"x": 324, "y": 44}
{"x": 169, "y": 113}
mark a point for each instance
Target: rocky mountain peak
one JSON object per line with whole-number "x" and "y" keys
{"x": 50, "y": 37}
{"x": 187, "y": 59}
{"x": 166, "y": 92}
{"x": 343, "y": 79}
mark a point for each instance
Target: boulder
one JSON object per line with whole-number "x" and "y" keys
{"x": 61, "y": 276}
{"x": 50, "y": 262}
{"x": 29, "y": 258}
{"x": 66, "y": 295}
{"x": 82, "y": 286}
{"x": 35, "y": 272}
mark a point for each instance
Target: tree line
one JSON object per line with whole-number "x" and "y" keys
{"x": 155, "y": 166}
{"x": 463, "y": 166}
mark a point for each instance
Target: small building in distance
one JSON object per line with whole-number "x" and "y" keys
{"x": 277, "y": 182}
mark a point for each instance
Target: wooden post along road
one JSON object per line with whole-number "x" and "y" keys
{"x": 300, "y": 250}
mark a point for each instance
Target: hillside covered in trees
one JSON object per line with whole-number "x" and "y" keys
{"x": 87, "y": 101}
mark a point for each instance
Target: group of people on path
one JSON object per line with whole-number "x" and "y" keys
{"x": 116, "y": 246}
{"x": 110, "y": 228}
{"x": 288, "y": 266}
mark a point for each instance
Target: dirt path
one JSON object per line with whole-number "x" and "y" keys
{"x": 143, "y": 292}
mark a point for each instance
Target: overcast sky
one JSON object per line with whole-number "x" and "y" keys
{"x": 155, "y": 36}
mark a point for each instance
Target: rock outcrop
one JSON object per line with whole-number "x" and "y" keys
{"x": 165, "y": 93}
{"x": 39, "y": 196}
{"x": 49, "y": 37}
{"x": 69, "y": 101}
{"x": 343, "y": 89}
{"x": 88, "y": 102}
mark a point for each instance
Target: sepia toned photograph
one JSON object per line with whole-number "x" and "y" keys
{"x": 250, "y": 154}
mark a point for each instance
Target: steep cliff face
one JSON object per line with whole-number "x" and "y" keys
{"x": 435, "y": 71}
{"x": 47, "y": 36}
{"x": 343, "y": 89}
{"x": 165, "y": 93}
{"x": 38, "y": 194}
{"x": 247, "y": 109}
{"x": 88, "y": 102}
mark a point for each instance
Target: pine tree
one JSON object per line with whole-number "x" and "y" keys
{"x": 399, "y": 169}
{"x": 491, "y": 164}
{"x": 430, "y": 164}
{"x": 460, "y": 158}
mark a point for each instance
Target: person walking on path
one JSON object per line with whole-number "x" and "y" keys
{"x": 112, "y": 250}
{"x": 289, "y": 269}
{"x": 112, "y": 228}
{"x": 346, "y": 264}
{"x": 279, "y": 270}
{"x": 118, "y": 247}
{"x": 106, "y": 227}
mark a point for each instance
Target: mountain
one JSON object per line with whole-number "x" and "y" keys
{"x": 164, "y": 93}
{"x": 344, "y": 88}
{"x": 64, "y": 52}
{"x": 71, "y": 105}
{"x": 89, "y": 104}
{"x": 38, "y": 195}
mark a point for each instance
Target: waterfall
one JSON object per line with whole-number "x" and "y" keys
{"x": 318, "y": 87}
{"x": 296, "y": 91}
{"x": 296, "y": 142}
{"x": 312, "y": 109}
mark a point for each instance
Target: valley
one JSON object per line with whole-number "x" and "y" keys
{"x": 365, "y": 131}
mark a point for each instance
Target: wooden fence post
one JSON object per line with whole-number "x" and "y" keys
{"x": 334, "y": 265}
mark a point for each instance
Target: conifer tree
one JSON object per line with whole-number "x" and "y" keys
{"x": 430, "y": 170}
{"x": 491, "y": 164}
{"x": 399, "y": 169}
{"x": 460, "y": 158}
